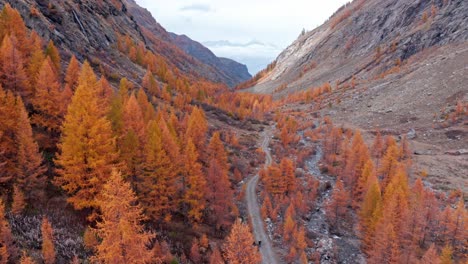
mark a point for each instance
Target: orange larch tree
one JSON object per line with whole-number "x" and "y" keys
{"x": 194, "y": 195}
{"x": 219, "y": 194}
{"x": 12, "y": 72}
{"x": 197, "y": 128}
{"x": 13, "y": 24}
{"x": 48, "y": 105}
{"x": 337, "y": 207}
{"x": 30, "y": 171}
{"x": 19, "y": 203}
{"x": 155, "y": 185}
{"x": 389, "y": 165}
{"x": 123, "y": 238}
{"x": 288, "y": 173}
{"x": 25, "y": 259}
{"x": 217, "y": 152}
{"x": 54, "y": 55}
{"x": 35, "y": 62}
{"x": 87, "y": 148}
{"x": 8, "y": 144}
{"x": 132, "y": 141}
{"x": 48, "y": 248}
{"x": 239, "y": 247}
{"x": 73, "y": 73}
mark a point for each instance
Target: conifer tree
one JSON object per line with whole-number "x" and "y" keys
{"x": 73, "y": 73}
{"x": 87, "y": 148}
{"x": 216, "y": 257}
{"x": 370, "y": 212}
{"x": 219, "y": 194}
{"x": 25, "y": 259}
{"x": 12, "y": 72}
{"x": 123, "y": 238}
{"x": 337, "y": 206}
{"x": 54, "y": 55}
{"x": 8, "y": 144}
{"x": 35, "y": 61}
{"x": 239, "y": 247}
{"x": 431, "y": 256}
{"x": 19, "y": 203}
{"x": 30, "y": 176}
{"x": 194, "y": 195}
{"x": 197, "y": 128}
{"x": 288, "y": 173}
{"x": 156, "y": 184}
{"x": 217, "y": 152}
{"x": 48, "y": 248}
{"x": 47, "y": 101}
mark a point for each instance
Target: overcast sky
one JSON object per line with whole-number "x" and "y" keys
{"x": 253, "y": 32}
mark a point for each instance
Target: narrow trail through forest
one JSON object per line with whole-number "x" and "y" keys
{"x": 266, "y": 249}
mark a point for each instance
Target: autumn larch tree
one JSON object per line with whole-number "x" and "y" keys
{"x": 149, "y": 83}
{"x": 73, "y": 73}
{"x": 12, "y": 24}
{"x": 54, "y": 55}
{"x": 155, "y": 185}
{"x": 219, "y": 194}
{"x": 48, "y": 248}
{"x": 370, "y": 212}
{"x": 194, "y": 195}
{"x": 123, "y": 238}
{"x": 197, "y": 128}
{"x": 288, "y": 173}
{"x": 19, "y": 203}
{"x": 36, "y": 60}
{"x": 239, "y": 247}
{"x": 8, "y": 144}
{"x": 25, "y": 259}
{"x": 431, "y": 256}
{"x": 146, "y": 107}
{"x": 337, "y": 207}
{"x": 389, "y": 165}
{"x": 30, "y": 176}
{"x": 215, "y": 257}
{"x": 47, "y": 102}
{"x": 87, "y": 147}
{"x": 216, "y": 151}
{"x": 12, "y": 72}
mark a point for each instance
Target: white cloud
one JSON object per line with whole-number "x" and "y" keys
{"x": 196, "y": 8}
{"x": 269, "y": 21}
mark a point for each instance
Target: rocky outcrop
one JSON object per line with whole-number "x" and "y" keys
{"x": 365, "y": 39}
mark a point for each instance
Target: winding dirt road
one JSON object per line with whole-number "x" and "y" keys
{"x": 268, "y": 255}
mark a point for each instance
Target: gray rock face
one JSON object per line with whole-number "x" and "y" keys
{"x": 399, "y": 29}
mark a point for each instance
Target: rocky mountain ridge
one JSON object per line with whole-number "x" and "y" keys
{"x": 99, "y": 24}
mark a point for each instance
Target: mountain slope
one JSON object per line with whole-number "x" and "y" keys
{"x": 91, "y": 31}
{"x": 233, "y": 71}
{"x": 394, "y": 66}
{"x": 230, "y": 73}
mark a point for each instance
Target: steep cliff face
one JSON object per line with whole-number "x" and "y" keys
{"x": 90, "y": 30}
{"x": 364, "y": 39}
